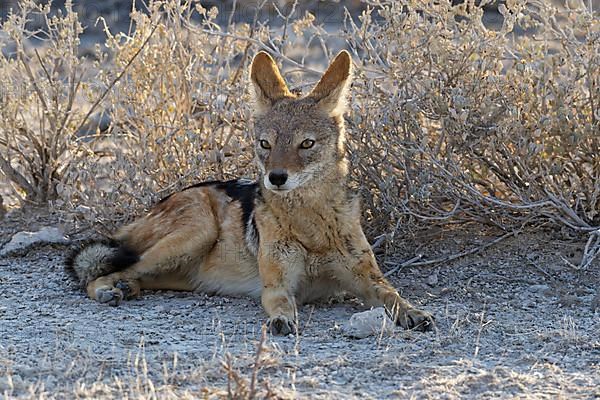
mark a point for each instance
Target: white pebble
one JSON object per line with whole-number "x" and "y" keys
{"x": 369, "y": 323}
{"x": 22, "y": 240}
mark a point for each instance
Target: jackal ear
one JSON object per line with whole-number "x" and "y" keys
{"x": 267, "y": 82}
{"x": 330, "y": 92}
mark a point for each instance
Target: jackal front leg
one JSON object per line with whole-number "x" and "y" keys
{"x": 280, "y": 268}
{"x": 369, "y": 283}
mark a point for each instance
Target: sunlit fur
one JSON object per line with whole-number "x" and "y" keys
{"x": 286, "y": 126}
{"x": 286, "y": 244}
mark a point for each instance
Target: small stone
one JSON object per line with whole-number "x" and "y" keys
{"x": 528, "y": 304}
{"x": 539, "y": 288}
{"x": 24, "y": 239}
{"x": 433, "y": 279}
{"x": 369, "y": 323}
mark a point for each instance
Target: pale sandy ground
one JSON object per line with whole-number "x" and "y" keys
{"x": 513, "y": 322}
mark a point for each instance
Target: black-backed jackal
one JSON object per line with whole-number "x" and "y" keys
{"x": 292, "y": 237}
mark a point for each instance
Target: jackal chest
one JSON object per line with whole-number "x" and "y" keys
{"x": 321, "y": 231}
{"x": 324, "y": 242}
{"x": 325, "y": 236}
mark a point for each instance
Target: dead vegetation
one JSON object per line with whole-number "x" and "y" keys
{"x": 451, "y": 122}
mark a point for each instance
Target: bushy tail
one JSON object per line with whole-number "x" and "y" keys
{"x": 98, "y": 258}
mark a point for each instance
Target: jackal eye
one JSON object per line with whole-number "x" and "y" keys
{"x": 265, "y": 145}
{"x": 307, "y": 144}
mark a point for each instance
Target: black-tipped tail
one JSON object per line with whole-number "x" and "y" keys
{"x": 91, "y": 260}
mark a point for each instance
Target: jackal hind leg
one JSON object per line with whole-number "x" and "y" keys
{"x": 169, "y": 257}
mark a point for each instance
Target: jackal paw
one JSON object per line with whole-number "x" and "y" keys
{"x": 282, "y": 326}
{"x": 109, "y": 295}
{"x": 130, "y": 289}
{"x": 416, "y": 319}
{"x": 122, "y": 290}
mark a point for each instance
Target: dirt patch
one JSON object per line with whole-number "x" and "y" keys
{"x": 513, "y": 321}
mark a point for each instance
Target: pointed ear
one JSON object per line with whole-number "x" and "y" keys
{"x": 330, "y": 92}
{"x": 268, "y": 83}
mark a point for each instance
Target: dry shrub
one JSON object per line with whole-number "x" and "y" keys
{"x": 451, "y": 121}
{"x": 39, "y": 92}
{"x": 470, "y": 124}
{"x": 465, "y": 123}
{"x": 179, "y": 110}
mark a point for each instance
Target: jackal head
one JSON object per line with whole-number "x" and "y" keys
{"x": 299, "y": 139}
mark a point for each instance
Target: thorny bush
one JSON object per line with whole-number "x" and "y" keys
{"x": 450, "y": 120}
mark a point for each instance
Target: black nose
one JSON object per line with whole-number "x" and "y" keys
{"x": 278, "y": 177}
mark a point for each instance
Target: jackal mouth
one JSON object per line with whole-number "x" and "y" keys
{"x": 283, "y": 188}
{"x": 280, "y": 191}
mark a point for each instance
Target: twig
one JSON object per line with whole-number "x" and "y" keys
{"x": 117, "y": 79}
{"x": 256, "y": 42}
{"x": 453, "y": 256}
{"x": 16, "y": 177}
{"x": 543, "y": 271}
{"x": 35, "y": 85}
{"x": 481, "y": 326}
{"x": 590, "y": 252}
{"x": 256, "y": 367}
{"x": 379, "y": 240}
{"x": 404, "y": 264}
